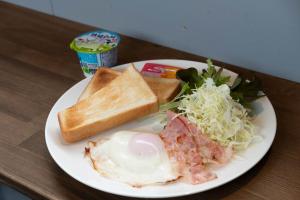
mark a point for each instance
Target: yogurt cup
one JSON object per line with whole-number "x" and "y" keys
{"x": 95, "y": 49}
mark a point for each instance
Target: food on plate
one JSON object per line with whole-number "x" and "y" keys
{"x": 101, "y": 78}
{"x": 125, "y": 98}
{"x": 180, "y": 152}
{"x": 192, "y": 149}
{"x": 159, "y": 70}
{"x": 206, "y": 123}
{"x": 220, "y": 110}
{"x": 165, "y": 89}
{"x": 242, "y": 90}
{"x": 218, "y": 115}
{"x": 135, "y": 158}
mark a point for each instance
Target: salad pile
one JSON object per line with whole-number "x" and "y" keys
{"x": 219, "y": 109}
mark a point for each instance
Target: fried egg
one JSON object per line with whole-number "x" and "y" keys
{"x": 134, "y": 158}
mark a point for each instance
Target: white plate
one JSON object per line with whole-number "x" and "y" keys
{"x": 70, "y": 157}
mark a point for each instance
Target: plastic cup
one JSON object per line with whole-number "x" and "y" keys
{"x": 95, "y": 49}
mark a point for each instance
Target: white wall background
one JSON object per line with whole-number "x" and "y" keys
{"x": 262, "y": 35}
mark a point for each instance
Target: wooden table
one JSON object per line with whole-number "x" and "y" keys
{"x": 37, "y": 67}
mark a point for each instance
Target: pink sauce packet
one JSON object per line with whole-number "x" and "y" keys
{"x": 160, "y": 70}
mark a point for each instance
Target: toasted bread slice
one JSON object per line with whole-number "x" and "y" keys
{"x": 125, "y": 98}
{"x": 164, "y": 88}
{"x": 101, "y": 78}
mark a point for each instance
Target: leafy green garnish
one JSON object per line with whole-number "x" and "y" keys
{"x": 191, "y": 77}
{"x": 195, "y": 80}
{"x": 171, "y": 105}
{"x": 217, "y": 76}
{"x": 242, "y": 90}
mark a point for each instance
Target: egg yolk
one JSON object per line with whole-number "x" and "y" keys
{"x": 145, "y": 144}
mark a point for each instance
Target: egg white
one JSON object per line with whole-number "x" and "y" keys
{"x": 112, "y": 159}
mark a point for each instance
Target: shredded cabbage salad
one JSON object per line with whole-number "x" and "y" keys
{"x": 216, "y": 114}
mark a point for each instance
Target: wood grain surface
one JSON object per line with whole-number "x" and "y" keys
{"x": 37, "y": 67}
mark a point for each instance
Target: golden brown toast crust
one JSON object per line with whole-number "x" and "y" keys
{"x": 164, "y": 88}
{"x": 100, "y": 79}
{"x": 74, "y": 135}
{"x": 125, "y": 98}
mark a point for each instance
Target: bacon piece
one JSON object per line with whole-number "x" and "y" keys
{"x": 192, "y": 149}
{"x": 209, "y": 149}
